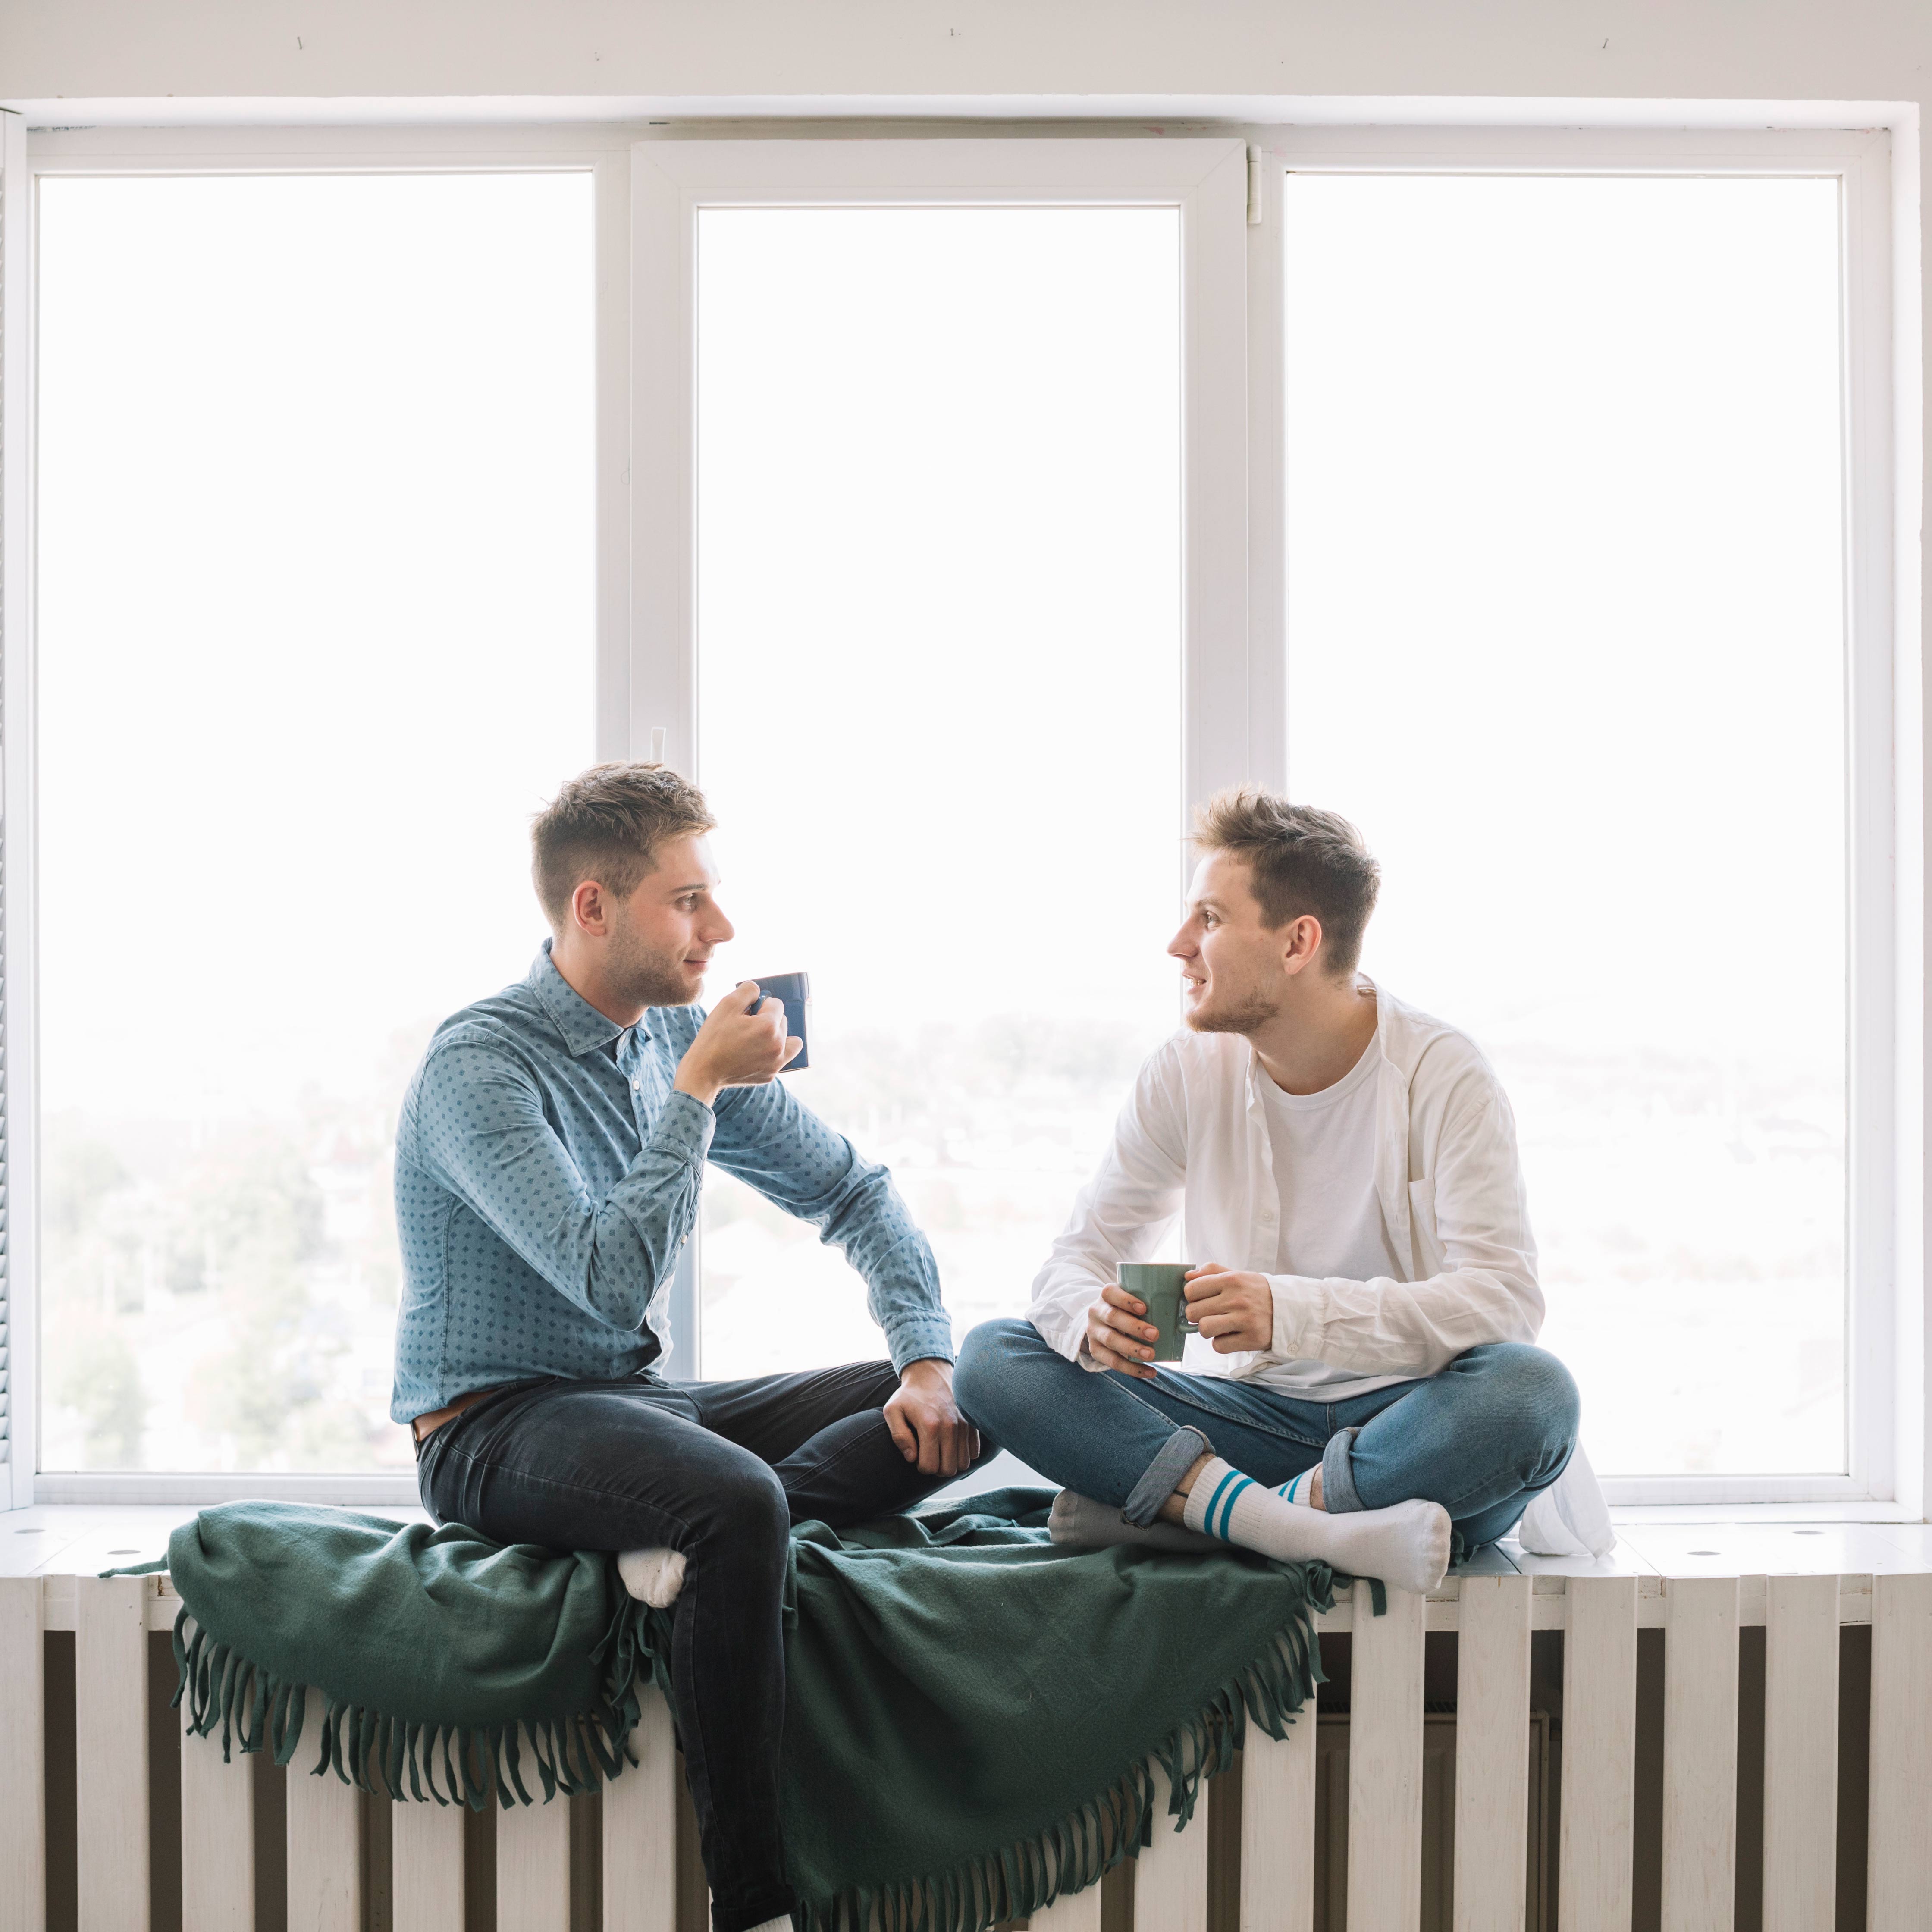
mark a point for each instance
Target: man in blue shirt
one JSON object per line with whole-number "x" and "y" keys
{"x": 548, "y": 1164}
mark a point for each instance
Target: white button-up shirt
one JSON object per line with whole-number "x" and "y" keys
{"x": 1193, "y": 1141}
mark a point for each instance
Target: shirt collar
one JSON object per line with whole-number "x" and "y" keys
{"x": 584, "y": 1029}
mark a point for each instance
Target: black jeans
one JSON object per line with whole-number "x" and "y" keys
{"x": 719, "y": 1470}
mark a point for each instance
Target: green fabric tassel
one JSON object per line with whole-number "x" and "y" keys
{"x": 974, "y": 1717}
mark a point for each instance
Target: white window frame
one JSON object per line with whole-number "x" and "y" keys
{"x": 648, "y": 186}
{"x": 1206, "y": 181}
{"x": 1886, "y": 1192}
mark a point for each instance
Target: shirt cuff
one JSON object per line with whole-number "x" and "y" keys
{"x": 1298, "y": 1326}
{"x": 929, "y": 1339}
{"x": 686, "y": 1126}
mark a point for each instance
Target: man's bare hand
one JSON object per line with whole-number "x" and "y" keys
{"x": 742, "y": 1043}
{"x": 1233, "y": 1311}
{"x": 926, "y": 1424}
{"x": 1116, "y": 1337}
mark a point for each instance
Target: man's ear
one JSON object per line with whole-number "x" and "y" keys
{"x": 1302, "y": 942}
{"x": 588, "y": 911}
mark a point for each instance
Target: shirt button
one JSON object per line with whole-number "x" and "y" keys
{"x": 636, "y": 1086}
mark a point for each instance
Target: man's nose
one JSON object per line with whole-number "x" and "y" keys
{"x": 720, "y": 928}
{"x": 1182, "y": 946}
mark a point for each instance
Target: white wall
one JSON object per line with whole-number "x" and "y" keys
{"x": 661, "y": 50}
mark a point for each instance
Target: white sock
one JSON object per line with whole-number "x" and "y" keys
{"x": 653, "y": 1577}
{"x": 1081, "y": 1523}
{"x": 1298, "y": 1488}
{"x": 1407, "y": 1547}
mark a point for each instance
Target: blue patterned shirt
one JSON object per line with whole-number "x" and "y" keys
{"x": 547, "y": 1175}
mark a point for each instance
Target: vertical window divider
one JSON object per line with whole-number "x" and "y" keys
{"x": 19, "y": 1310}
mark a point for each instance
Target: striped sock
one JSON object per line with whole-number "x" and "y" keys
{"x": 1407, "y": 1546}
{"x": 1297, "y": 1488}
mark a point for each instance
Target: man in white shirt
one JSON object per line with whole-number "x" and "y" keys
{"x": 1345, "y": 1172}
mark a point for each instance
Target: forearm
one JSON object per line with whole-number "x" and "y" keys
{"x": 1389, "y": 1327}
{"x": 636, "y": 1232}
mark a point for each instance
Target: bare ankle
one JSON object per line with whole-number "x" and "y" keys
{"x": 1171, "y": 1509}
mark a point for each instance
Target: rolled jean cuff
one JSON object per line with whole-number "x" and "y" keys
{"x": 1338, "y": 1474}
{"x": 1178, "y": 1454}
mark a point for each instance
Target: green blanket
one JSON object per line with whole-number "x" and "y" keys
{"x": 973, "y": 1719}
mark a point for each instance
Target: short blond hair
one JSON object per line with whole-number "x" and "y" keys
{"x": 1302, "y": 860}
{"x": 607, "y": 824}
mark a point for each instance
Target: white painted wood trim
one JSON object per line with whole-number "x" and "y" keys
{"x": 1700, "y": 1755}
{"x": 426, "y": 1874}
{"x": 1278, "y": 1828}
{"x": 1800, "y": 1753}
{"x": 640, "y": 1828}
{"x": 18, "y": 1095}
{"x": 1074, "y": 1912}
{"x": 23, "y": 1794}
{"x": 218, "y": 1836}
{"x": 533, "y": 1860}
{"x": 1268, "y": 489}
{"x": 1899, "y": 1876}
{"x": 1491, "y": 1826}
{"x": 1170, "y": 1875}
{"x": 325, "y": 1837}
{"x": 1385, "y": 1764}
{"x": 110, "y": 1696}
{"x": 1599, "y": 1754}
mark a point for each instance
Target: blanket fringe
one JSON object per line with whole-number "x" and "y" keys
{"x": 449, "y": 1764}
{"x": 1083, "y": 1845}
{"x": 377, "y": 1751}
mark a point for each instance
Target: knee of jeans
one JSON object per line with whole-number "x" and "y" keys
{"x": 749, "y": 1510}
{"x": 984, "y": 1370}
{"x": 1536, "y": 1388}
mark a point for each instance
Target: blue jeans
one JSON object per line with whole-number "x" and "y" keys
{"x": 1481, "y": 1439}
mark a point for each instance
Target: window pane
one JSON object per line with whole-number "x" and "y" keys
{"x": 939, "y": 675}
{"x": 1566, "y": 641}
{"x": 316, "y": 552}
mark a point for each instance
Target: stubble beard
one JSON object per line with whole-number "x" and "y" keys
{"x": 1232, "y": 1014}
{"x": 654, "y": 979}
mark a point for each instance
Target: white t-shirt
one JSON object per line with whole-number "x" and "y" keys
{"x": 1324, "y": 1150}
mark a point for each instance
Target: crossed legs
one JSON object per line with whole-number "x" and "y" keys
{"x": 1480, "y": 1439}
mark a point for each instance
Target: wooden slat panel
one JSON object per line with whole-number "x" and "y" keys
{"x": 325, "y": 1838}
{"x": 640, "y": 1828}
{"x": 1492, "y": 1754}
{"x": 1078, "y": 1911}
{"x": 217, "y": 1828}
{"x": 1899, "y": 1880}
{"x": 426, "y": 1866}
{"x": 1278, "y": 1828}
{"x": 110, "y": 1701}
{"x": 1599, "y": 1754}
{"x": 23, "y": 1816}
{"x": 1800, "y": 1753}
{"x": 1700, "y": 1755}
{"x": 1170, "y": 1879}
{"x": 1385, "y": 1765}
{"x": 533, "y": 1863}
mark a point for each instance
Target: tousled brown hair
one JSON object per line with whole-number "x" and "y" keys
{"x": 607, "y": 824}
{"x": 1301, "y": 860}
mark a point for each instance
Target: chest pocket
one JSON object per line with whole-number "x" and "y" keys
{"x": 1428, "y": 1245}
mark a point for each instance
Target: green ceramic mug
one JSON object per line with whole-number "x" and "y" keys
{"x": 1161, "y": 1286}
